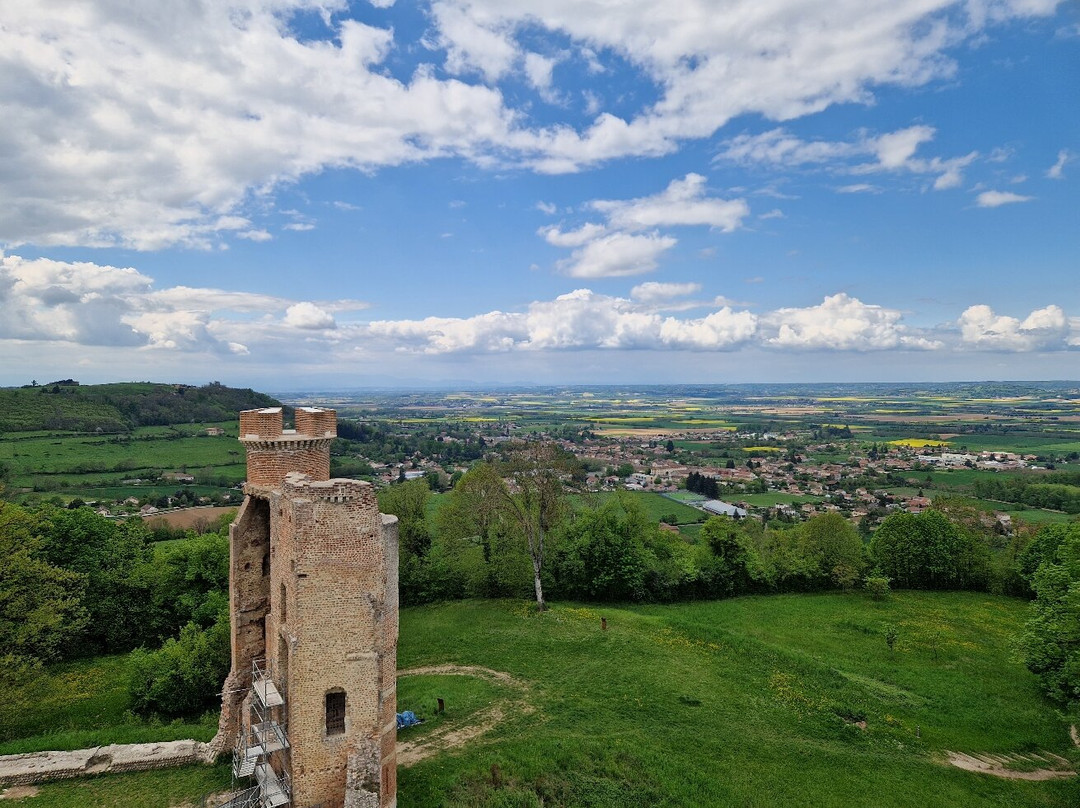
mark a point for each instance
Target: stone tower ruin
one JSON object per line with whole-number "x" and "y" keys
{"x": 309, "y": 707}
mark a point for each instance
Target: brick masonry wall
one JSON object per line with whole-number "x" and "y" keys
{"x": 326, "y": 615}
{"x": 333, "y": 626}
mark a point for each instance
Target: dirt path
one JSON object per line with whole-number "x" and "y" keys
{"x": 1052, "y": 767}
{"x": 450, "y": 737}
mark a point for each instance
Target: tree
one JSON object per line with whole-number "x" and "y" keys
{"x": 733, "y": 567}
{"x": 602, "y": 554}
{"x": 670, "y": 446}
{"x": 408, "y": 502}
{"x": 41, "y": 609}
{"x": 535, "y": 499}
{"x": 117, "y": 562}
{"x": 184, "y": 676}
{"x": 842, "y": 556}
{"x": 927, "y": 551}
{"x": 1051, "y": 639}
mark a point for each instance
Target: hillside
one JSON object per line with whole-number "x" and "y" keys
{"x": 71, "y": 407}
{"x": 755, "y": 701}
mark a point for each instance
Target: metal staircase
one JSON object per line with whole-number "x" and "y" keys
{"x": 262, "y": 737}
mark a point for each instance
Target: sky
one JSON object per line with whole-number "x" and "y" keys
{"x": 306, "y": 194}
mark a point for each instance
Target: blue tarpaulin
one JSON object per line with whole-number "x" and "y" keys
{"x": 407, "y": 719}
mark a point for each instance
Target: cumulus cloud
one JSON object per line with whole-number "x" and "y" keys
{"x": 840, "y": 323}
{"x": 891, "y": 152}
{"x": 308, "y": 315}
{"x": 579, "y": 320}
{"x": 619, "y": 247}
{"x": 617, "y": 255}
{"x": 572, "y": 238}
{"x": 118, "y": 309}
{"x": 152, "y": 129}
{"x": 88, "y": 304}
{"x": 161, "y": 128}
{"x": 1043, "y": 329}
{"x": 683, "y": 203}
{"x": 995, "y": 199}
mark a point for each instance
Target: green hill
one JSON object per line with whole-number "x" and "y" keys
{"x": 71, "y": 407}
{"x": 788, "y": 700}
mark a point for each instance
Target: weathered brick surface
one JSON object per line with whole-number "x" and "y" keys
{"x": 325, "y": 614}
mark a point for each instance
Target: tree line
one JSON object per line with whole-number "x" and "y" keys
{"x": 75, "y": 584}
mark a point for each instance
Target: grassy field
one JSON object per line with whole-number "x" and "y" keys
{"x": 747, "y": 702}
{"x": 742, "y": 702}
{"x": 81, "y": 704}
{"x": 774, "y": 498}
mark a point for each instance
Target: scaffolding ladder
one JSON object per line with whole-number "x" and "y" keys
{"x": 263, "y": 737}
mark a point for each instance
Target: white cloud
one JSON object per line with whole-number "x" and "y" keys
{"x": 579, "y": 320}
{"x": 858, "y": 188}
{"x": 994, "y": 199}
{"x": 891, "y": 152}
{"x": 779, "y": 147}
{"x": 538, "y": 70}
{"x": 547, "y": 207}
{"x": 775, "y": 213}
{"x": 1057, "y": 170}
{"x": 220, "y": 103}
{"x": 620, "y": 248}
{"x": 255, "y": 235}
{"x": 117, "y": 309}
{"x": 722, "y": 330}
{"x": 299, "y": 227}
{"x": 571, "y": 238}
{"x": 309, "y": 316}
{"x": 682, "y": 203}
{"x": 152, "y": 129}
{"x": 87, "y": 304}
{"x": 841, "y": 323}
{"x": 653, "y": 291}
{"x": 1044, "y": 329}
{"x": 895, "y": 149}
{"x": 617, "y": 255}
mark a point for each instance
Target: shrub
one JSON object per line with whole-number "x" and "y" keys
{"x": 183, "y": 677}
{"x": 877, "y": 586}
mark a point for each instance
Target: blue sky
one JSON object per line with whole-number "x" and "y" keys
{"x": 292, "y": 193}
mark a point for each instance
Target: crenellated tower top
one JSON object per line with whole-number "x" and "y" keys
{"x": 274, "y": 452}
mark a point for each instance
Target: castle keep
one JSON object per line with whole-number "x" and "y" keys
{"x": 310, "y": 701}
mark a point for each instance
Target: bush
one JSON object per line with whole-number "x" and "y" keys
{"x": 184, "y": 677}
{"x": 876, "y": 586}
